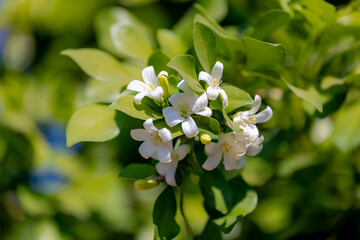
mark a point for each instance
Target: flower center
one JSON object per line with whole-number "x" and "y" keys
{"x": 184, "y": 111}
{"x": 252, "y": 120}
{"x": 151, "y": 86}
{"x": 214, "y": 82}
{"x": 156, "y": 138}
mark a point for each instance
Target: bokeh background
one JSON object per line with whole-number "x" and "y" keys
{"x": 307, "y": 176}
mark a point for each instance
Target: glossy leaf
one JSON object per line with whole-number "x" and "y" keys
{"x": 216, "y": 190}
{"x": 94, "y": 123}
{"x": 164, "y": 215}
{"x": 137, "y": 171}
{"x": 171, "y": 43}
{"x": 207, "y": 123}
{"x": 159, "y": 61}
{"x": 142, "y": 111}
{"x": 98, "y": 64}
{"x": 236, "y": 97}
{"x": 312, "y": 97}
{"x": 185, "y": 66}
{"x": 263, "y": 56}
{"x": 205, "y": 45}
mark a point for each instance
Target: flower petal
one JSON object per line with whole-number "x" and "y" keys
{"x": 254, "y": 150}
{"x": 264, "y": 115}
{"x": 165, "y": 134}
{"x": 251, "y": 132}
{"x": 147, "y": 149}
{"x": 206, "y": 112}
{"x": 139, "y": 134}
{"x": 170, "y": 175}
{"x": 163, "y": 73}
{"x": 177, "y": 99}
{"x": 148, "y": 75}
{"x": 162, "y": 168}
{"x": 200, "y": 103}
{"x": 138, "y": 97}
{"x": 224, "y": 97}
{"x": 212, "y": 93}
{"x": 163, "y": 153}
{"x": 172, "y": 117}
{"x": 204, "y": 76}
{"x": 212, "y": 161}
{"x": 182, "y": 85}
{"x": 157, "y": 93}
{"x": 256, "y": 105}
{"x": 149, "y": 125}
{"x": 217, "y": 71}
{"x": 229, "y": 161}
{"x": 241, "y": 162}
{"x": 212, "y": 147}
{"x": 182, "y": 151}
{"x": 137, "y": 86}
{"x": 189, "y": 127}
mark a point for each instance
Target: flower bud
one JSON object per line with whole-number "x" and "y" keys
{"x": 164, "y": 83}
{"x": 145, "y": 184}
{"x": 205, "y": 138}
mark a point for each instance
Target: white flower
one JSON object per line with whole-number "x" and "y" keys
{"x": 232, "y": 146}
{"x": 183, "y": 105}
{"x": 214, "y": 81}
{"x": 169, "y": 169}
{"x": 246, "y": 118}
{"x": 157, "y": 143}
{"x": 253, "y": 140}
{"x": 149, "y": 87}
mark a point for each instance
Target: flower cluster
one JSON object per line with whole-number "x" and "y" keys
{"x": 180, "y": 108}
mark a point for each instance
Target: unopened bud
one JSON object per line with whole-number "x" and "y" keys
{"x": 145, "y": 184}
{"x": 205, "y": 138}
{"x": 164, "y": 83}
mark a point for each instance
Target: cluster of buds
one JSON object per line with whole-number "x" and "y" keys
{"x": 179, "y": 108}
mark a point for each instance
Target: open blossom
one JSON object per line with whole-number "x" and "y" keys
{"x": 157, "y": 143}
{"x": 183, "y": 106}
{"x": 149, "y": 87}
{"x": 253, "y": 140}
{"x": 250, "y": 117}
{"x": 231, "y": 146}
{"x": 214, "y": 81}
{"x": 169, "y": 169}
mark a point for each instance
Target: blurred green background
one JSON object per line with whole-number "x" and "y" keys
{"x": 307, "y": 176}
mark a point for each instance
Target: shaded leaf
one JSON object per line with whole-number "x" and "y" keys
{"x": 269, "y": 23}
{"x": 207, "y": 123}
{"x": 171, "y": 43}
{"x": 137, "y": 171}
{"x": 95, "y": 123}
{"x": 164, "y": 215}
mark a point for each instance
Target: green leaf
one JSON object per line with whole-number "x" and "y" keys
{"x": 105, "y": 92}
{"x": 185, "y": 66}
{"x": 142, "y": 111}
{"x": 205, "y": 45}
{"x": 137, "y": 171}
{"x": 98, "y": 64}
{"x": 311, "y": 95}
{"x": 132, "y": 41}
{"x": 159, "y": 61}
{"x": 95, "y": 123}
{"x": 216, "y": 190}
{"x": 346, "y": 133}
{"x": 176, "y": 131}
{"x": 207, "y": 123}
{"x": 244, "y": 202}
{"x": 164, "y": 215}
{"x": 263, "y": 56}
{"x": 171, "y": 43}
{"x": 173, "y": 82}
{"x": 236, "y": 97}
{"x": 211, "y": 232}
{"x": 269, "y": 23}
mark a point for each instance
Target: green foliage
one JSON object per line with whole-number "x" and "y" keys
{"x": 91, "y": 123}
{"x": 137, "y": 171}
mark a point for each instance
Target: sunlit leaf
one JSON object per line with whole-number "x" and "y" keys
{"x": 312, "y": 97}
{"x": 185, "y": 66}
{"x": 236, "y": 97}
{"x": 93, "y": 123}
{"x": 171, "y": 43}
{"x": 98, "y": 64}
{"x": 207, "y": 123}
{"x": 142, "y": 111}
{"x": 164, "y": 215}
{"x": 205, "y": 46}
